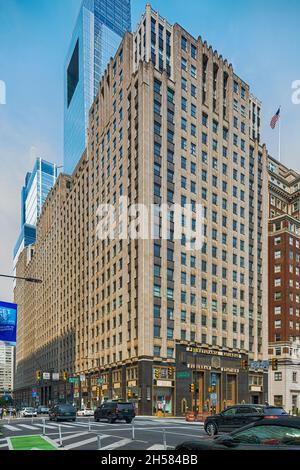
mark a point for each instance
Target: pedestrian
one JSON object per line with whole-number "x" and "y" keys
{"x": 1, "y": 412}
{"x": 4, "y": 413}
{"x": 14, "y": 413}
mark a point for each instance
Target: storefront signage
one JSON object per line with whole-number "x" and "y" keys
{"x": 230, "y": 369}
{"x": 164, "y": 383}
{"x": 199, "y": 366}
{"x": 213, "y": 353}
{"x": 117, "y": 385}
{"x": 131, "y": 383}
{"x": 255, "y": 388}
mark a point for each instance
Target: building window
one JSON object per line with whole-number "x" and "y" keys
{"x": 278, "y": 376}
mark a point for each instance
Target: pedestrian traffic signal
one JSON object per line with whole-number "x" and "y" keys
{"x": 170, "y": 372}
{"x": 192, "y": 388}
{"x": 38, "y": 375}
{"x": 245, "y": 364}
{"x": 65, "y": 375}
{"x": 274, "y": 363}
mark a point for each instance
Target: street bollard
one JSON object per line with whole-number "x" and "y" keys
{"x": 133, "y": 430}
{"x": 164, "y": 439}
{"x": 99, "y": 441}
{"x": 44, "y": 427}
{"x": 31, "y": 419}
{"x": 60, "y": 437}
{"x": 89, "y": 424}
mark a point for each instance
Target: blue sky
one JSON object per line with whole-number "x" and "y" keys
{"x": 260, "y": 38}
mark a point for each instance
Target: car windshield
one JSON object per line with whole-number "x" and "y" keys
{"x": 269, "y": 435}
{"x": 125, "y": 406}
{"x": 66, "y": 407}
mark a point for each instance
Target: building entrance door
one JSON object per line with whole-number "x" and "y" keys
{"x": 198, "y": 406}
{"x": 163, "y": 401}
{"x": 231, "y": 390}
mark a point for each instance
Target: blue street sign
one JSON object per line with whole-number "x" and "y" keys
{"x": 214, "y": 403}
{"x": 213, "y": 379}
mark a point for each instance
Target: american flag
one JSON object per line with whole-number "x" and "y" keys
{"x": 274, "y": 119}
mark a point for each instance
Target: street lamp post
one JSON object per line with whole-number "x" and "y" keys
{"x": 27, "y": 279}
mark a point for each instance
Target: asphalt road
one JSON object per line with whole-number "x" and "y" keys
{"x": 83, "y": 435}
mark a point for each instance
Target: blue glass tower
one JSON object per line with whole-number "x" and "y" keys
{"x": 37, "y": 185}
{"x": 100, "y": 26}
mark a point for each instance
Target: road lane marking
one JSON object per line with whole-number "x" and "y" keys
{"x": 72, "y": 436}
{"x": 47, "y": 426}
{"x": 10, "y": 428}
{"x": 84, "y": 443}
{"x": 156, "y": 447}
{"x": 27, "y": 426}
{"x": 121, "y": 443}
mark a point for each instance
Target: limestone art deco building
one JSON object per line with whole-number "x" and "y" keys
{"x": 172, "y": 123}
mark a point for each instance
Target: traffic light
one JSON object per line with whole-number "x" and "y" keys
{"x": 274, "y": 363}
{"x": 65, "y": 376}
{"x": 156, "y": 373}
{"x": 129, "y": 393}
{"x": 170, "y": 372}
{"x": 245, "y": 364}
{"x": 192, "y": 388}
{"x": 38, "y": 375}
{"x": 98, "y": 391}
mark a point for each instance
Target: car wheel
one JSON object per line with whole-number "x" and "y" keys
{"x": 211, "y": 429}
{"x": 74, "y": 419}
{"x": 111, "y": 420}
{"x": 97, "y": 420}
{"x": 128, "y": 421}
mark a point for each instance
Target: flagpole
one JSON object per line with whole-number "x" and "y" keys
{"x": 279, "y": 139}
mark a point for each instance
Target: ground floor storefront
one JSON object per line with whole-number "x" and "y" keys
{"x": 203, "y": 380}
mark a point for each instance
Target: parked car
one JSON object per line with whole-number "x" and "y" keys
{"x": 269, "y": 433}
{"x": 238, "y": 416}
{"x": 43, "y": 410}
{"x": 115, "y": 411}
{"x": 85, "y": 412}
{"x": 62, "y": 413}
{"x": 28, "y": 411}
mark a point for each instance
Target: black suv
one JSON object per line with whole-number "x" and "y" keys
{"x": 238, "y": 416}
{"x": 115, "y": 411}
{"x": 62, "y": 412}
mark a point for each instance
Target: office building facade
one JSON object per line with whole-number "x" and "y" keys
{"x": 98, "y": 32}
{"x": 143, "y": 318}
{"x": 6, "y": 370}
{"x": 37, "y": 185}
{"x": 284, "y": 279}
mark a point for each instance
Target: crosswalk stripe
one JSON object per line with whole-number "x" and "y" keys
{"x": 156, "y": 447}
{"x": 72, "y": 436}
{"x": 83, "y": 443}
{"x": 10, "y": 428}
{"x": 27, "y": 426}
{"x": 4, "y": 445}
{"x": 121, "y": 443}
{"x": 48, "y": 426}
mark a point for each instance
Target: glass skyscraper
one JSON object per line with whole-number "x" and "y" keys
{"x": 99, "y": 29}
{"x": 37, "y": 185}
